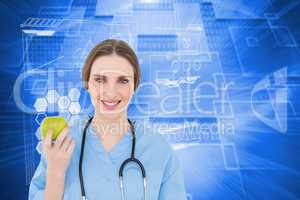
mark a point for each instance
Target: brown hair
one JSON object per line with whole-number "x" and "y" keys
{"x": 108, "y": 47}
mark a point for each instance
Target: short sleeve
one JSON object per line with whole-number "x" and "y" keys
{"x": 38, "y": 181}
{"x": 172, "y": 186}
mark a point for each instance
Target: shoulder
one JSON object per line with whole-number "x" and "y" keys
{"x": 150, "y": 140}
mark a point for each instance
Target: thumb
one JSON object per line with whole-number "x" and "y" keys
{"x": 48, "y": 138}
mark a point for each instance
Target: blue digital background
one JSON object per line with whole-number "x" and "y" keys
{"x": 230, "y": 70}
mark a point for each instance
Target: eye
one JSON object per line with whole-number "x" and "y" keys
{"x": 99, "y": 80}
{"x": 124, "y": 81}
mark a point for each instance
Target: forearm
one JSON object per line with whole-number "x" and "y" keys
{"x": 54, "y": 186}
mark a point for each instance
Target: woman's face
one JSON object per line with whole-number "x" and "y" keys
{"x": 111, "y": 85}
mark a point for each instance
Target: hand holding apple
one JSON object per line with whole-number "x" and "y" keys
{"x": 58, "y": 153}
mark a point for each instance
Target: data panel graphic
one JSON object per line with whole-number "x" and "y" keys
{"x": 220, "y": 81}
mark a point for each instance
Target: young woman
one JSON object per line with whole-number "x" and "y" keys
{"x": 70, "y": 170}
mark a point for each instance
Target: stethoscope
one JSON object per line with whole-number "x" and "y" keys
{"x": 121, "y": 169}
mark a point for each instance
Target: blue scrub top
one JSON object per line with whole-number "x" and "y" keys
{"x": 101, "y": 168}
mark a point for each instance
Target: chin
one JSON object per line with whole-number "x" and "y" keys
{"x": 111, "y": 114}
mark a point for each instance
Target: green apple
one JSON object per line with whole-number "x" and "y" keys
{"x": 56, "y": 123}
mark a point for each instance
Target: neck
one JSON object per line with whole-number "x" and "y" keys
{"x": 112, "y": 127}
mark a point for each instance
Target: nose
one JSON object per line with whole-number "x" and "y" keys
{"x": 110, "y": 89}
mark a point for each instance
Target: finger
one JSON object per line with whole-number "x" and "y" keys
{"x": 61, "y": 137}
{"x": 48, "y": 139}
{"x": 66, "y": 143}
{"x": 71, "y": 147}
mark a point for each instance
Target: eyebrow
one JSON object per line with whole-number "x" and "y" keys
{"x": 122, "y": 76}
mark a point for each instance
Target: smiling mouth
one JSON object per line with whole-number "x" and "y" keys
{"x": 110, "y": 105}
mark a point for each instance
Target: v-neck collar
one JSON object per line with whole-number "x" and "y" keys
{"x": 121, "y": 148}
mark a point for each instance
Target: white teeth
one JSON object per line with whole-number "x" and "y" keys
{"x": 110, "y": 103}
